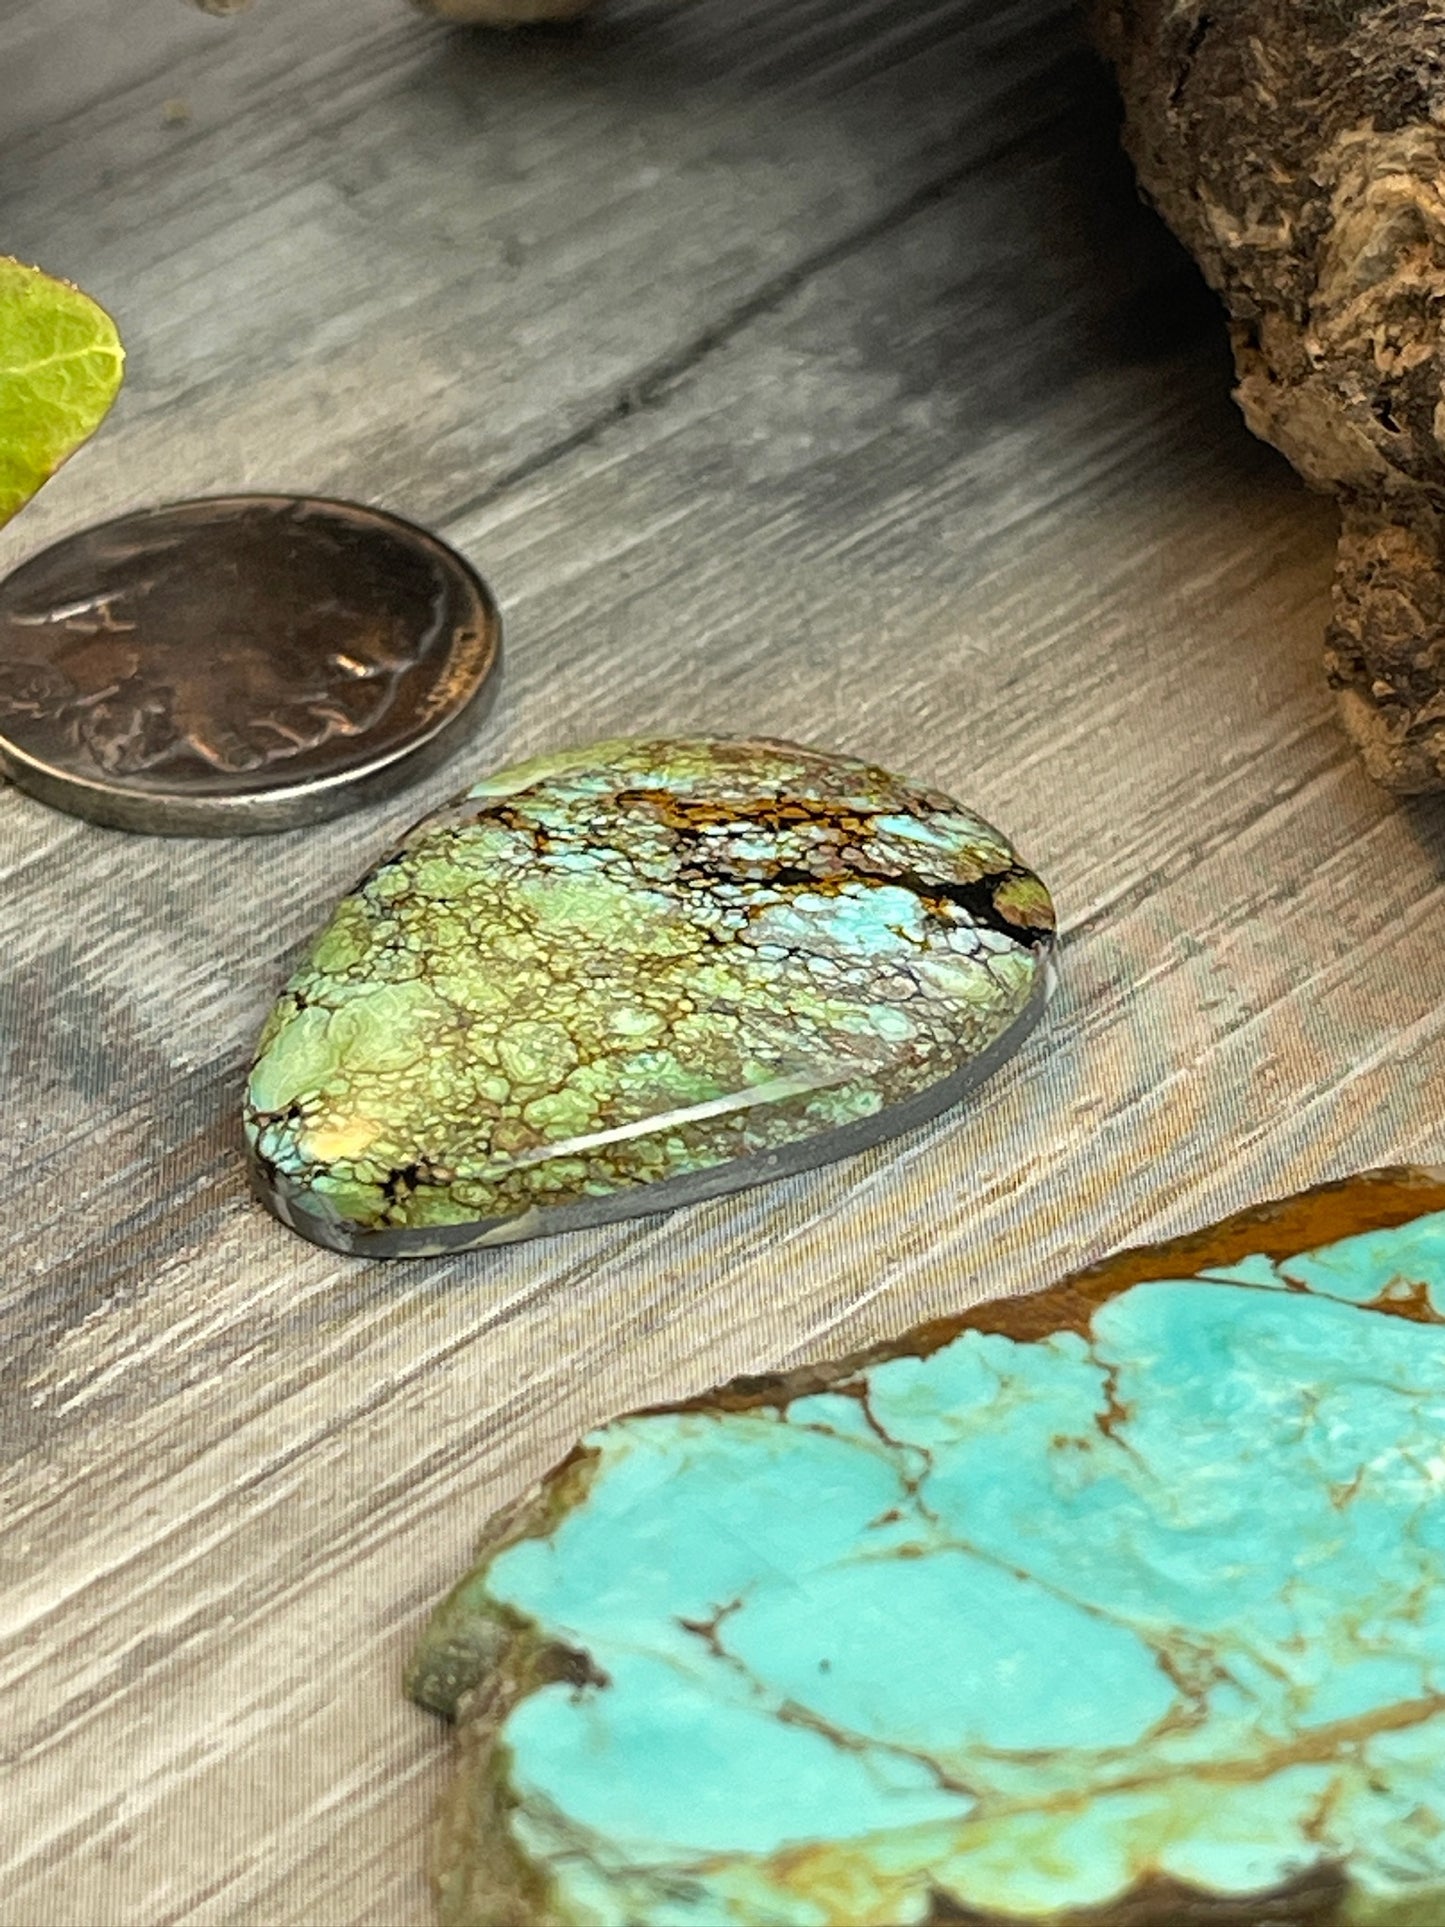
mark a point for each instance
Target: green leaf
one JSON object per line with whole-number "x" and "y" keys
{"x": 60, "y": 368}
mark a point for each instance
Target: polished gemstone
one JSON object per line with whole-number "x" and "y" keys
{"x": 1118, "y": 1606}
{"x": 624, "y": 977}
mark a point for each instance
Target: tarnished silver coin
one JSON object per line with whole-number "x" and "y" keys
{"x": 240, "y": 663}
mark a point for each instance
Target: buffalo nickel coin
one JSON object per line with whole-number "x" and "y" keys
{"x": 240, "y": 663}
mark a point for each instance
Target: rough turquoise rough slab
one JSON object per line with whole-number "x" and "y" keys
{"x": 632, "y": 975}
{"x": 1118, "y": 1605}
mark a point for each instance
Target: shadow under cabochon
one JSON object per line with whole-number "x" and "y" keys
{"x": 629, "y": 976}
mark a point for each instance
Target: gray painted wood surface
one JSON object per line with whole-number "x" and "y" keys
{"x": 799, "y": 366}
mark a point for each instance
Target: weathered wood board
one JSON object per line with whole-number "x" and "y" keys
{"x": 794, "y": 367}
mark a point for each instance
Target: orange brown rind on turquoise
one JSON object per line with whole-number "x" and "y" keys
{"x": 1119, "y": 1605}
{"x": 628, "y": 976}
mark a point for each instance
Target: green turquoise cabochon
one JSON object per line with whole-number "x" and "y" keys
{"x": 632, "y": 975}
{"x": 1117, "y": 1606}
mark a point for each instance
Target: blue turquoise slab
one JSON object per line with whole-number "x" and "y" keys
{"x": 634, "y": 975}
{"x": 1116, "y": 1606}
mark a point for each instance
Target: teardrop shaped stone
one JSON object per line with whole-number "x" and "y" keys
{"x": 629, "y": 976}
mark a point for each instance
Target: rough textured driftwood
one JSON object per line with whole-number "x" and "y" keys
{"x": 1296, "y": 146}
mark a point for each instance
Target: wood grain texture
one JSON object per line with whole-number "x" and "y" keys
{"x": 788, "y": 366}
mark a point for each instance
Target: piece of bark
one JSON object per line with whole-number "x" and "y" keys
{"x": 1105, "y": 1607}
{"x": 1297, "y": 147}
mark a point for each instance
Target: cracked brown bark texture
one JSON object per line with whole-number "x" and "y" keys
{"x": 1297, "y": 147}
